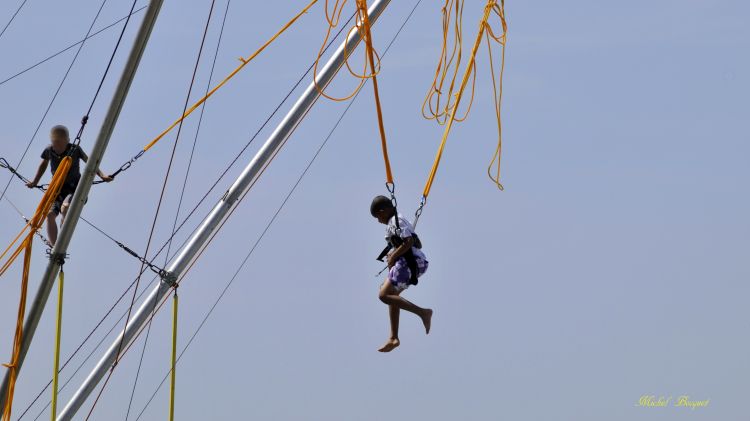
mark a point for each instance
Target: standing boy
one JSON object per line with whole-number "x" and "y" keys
{"x": 59, "y": 148}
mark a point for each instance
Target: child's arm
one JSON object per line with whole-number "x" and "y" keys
{"x": 400, "y": 250}
{"x": 39, "y": 173}
{"x": 104, "y": 177}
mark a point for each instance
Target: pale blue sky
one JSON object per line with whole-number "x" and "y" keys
{"x": 613, "y": 266}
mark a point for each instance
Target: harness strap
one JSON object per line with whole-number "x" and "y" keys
{"x": 411, "y": 260}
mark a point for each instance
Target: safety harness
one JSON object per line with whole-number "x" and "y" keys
{"x": 395, "y": 241}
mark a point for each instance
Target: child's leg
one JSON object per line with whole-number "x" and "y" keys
{"x": 393, "y": 341}
{"x": 52, "y": 227}
{"x": 65, "y": 205}
{"x": 393, "y": 314}
{"x": 57, "y": 208}
{"x": 391, "y": 295}
{"x": 63, "y": 212}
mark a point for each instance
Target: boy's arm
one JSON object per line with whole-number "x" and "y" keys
{"x": 39, "y": 173}
{"x": 104, "y": 177}
{"x": 400, "y": 250}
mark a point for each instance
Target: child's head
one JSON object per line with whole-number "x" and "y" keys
{"x": 382, "y": 209}
{"x": 59, "y": 137}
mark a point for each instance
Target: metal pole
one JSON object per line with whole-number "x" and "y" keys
{"x": 220, "y": 212}
{"x": 81, "y": 193}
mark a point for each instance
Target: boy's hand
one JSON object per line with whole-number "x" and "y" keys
{"x": 31, "y": 184}
{"x": 106, "y": 178}
{"x": 392, "y": 259}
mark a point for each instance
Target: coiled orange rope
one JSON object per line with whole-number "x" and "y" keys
{"x": 333, "y": 18}
{"x": 448, "y": 64}
{"x": 485, "y": 30}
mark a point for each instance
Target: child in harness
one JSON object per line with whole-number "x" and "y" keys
{"x": 406, "y": 263}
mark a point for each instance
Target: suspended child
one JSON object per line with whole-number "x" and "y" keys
{"x": 406, "y": 263}
{"x": 59, "y": 148}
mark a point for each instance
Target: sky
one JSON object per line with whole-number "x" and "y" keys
{"x": 613, "y": 266}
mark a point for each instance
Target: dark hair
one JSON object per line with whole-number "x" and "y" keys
{"x": 380, "y": 203}
{"x": 60, "y": 129}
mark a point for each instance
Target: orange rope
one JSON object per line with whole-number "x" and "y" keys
{"x": 367, "y": 36}
{"x": 243, "y": 62}
{"x": 497, "y": 88}
{"x": 372, "y": 60}
{"x": 33, "y": 225}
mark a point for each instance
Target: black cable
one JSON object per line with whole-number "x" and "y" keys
{"x": 97, "y": 32}
{"x": 54, "y": 97}
{"x": 12, "y": 18}
{"x": 271, "y": 221}
{"x": 18, "y": 211}
{"x": 182, "y": 193}
{"x": 5, "y": 164}
{"x": 158, "y": 205}
{"x": 85, "y": 118}
{"x": 187, "y": 172}
{"x": 198, "y": 128}
{"x": 101, "y": 321}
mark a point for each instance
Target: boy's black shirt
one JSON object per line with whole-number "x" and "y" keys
{"x": 75, "y": 152}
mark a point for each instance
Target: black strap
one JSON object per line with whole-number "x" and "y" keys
{"x": 411, "y": 260}
{"x": 385, "y": 252}
{"x": 411, "y": 263}
{"x": 5, "y": 164}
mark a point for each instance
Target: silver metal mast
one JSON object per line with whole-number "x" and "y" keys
{"x": 81, "y": 193}
{"x": 220, "y": 212}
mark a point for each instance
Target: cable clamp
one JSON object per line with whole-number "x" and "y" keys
{"x": 58, "y": 258}
{"x": 169, "y": 278}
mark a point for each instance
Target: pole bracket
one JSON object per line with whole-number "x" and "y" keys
{"x": 58, "y": 258}
{"x": 169, "y": 278}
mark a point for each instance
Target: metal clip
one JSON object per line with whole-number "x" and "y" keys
{"x": 169, "y": 278}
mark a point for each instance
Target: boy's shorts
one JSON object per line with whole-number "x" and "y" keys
{"x": 400, "y": 274}
{"x": 66, "y": 193}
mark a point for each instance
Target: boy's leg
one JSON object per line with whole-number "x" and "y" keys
{"x": 63, "y": 212}
{"x": 393, "y": 314}
{"x": 59, "y": 206}
{"x": 391, "y": 295}
{"x": 52, "y": 227}
{"x": 64, "y": 207}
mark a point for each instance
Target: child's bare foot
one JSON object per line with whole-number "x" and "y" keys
{"x": 390, "y": 345}
{"x": 427, "y": 320}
